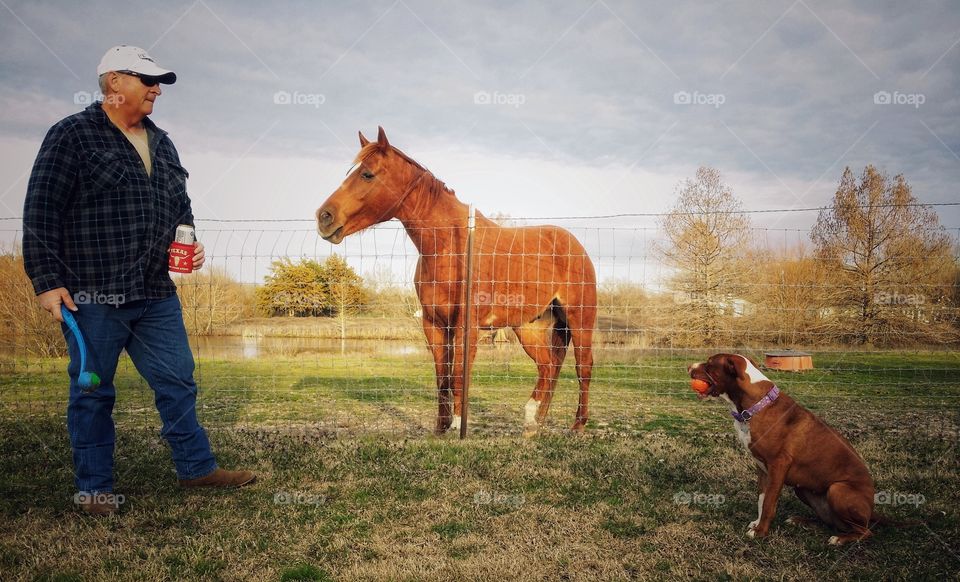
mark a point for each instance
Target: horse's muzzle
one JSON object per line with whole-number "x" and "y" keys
{"x": 326, "y": 228}
{"x": 324, "y": 217}
{"x": 335, "y": 237}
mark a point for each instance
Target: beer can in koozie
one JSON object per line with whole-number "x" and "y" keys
{"x": 182, "y": 249}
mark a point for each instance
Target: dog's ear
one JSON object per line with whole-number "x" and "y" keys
{"x": 735, "y": 366}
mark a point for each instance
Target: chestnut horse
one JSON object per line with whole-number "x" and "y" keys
{"x": 537, "y": 280}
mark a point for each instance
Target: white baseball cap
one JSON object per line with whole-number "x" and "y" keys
{"x": 135, "y": 60}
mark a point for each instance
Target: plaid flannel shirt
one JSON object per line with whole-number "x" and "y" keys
{"x": 94, "y": 221}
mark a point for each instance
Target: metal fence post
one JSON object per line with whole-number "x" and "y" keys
{"x": 468, "y": 302}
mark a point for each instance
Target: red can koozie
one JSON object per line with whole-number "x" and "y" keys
{"x": 182, "y": 249}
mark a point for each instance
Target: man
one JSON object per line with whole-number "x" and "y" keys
{"x": 103, "y": 203}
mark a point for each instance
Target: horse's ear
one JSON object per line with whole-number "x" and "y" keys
{"x": 363, "y": 141}
{"x": 382, "y": 138}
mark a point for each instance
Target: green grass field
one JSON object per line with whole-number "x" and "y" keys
{"x": 354, "y": 487}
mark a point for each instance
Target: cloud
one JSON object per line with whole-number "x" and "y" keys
{"x": 598, "y": 82}
{"x": 25, "y": 110}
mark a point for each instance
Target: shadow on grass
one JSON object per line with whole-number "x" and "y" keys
{"x": 368, "y": 389}
{"x": 630, "y": 501}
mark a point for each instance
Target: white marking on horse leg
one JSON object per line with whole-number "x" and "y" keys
{"x": 530, "y": 412}
{"x": 834, "y": 540}
{"x": 455, "y": 425}
{"x": 530, "y": 426}
{"x": 756, "y": 522}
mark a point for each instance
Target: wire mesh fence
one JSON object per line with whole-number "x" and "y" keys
{"x": 354, "y": 359}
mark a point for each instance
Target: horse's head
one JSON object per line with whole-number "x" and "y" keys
{"x": 372, "y": 192}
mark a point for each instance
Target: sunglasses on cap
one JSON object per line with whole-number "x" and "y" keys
{"x": 146, "y": 80}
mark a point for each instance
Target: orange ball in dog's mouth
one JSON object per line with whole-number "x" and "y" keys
{"x": 700, "y": 386}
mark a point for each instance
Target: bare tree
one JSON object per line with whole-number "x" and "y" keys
{"x": 504, "y": 219}
{"x": 889, "y": 255}
{"x": 212, "y": 300}
{"x": 706, "y": 231}
{"x": 26, "y": 325}
{"x": 792, "y": 294}
{"x": 390, "y": 296}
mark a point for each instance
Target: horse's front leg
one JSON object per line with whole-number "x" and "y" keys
{"x": 458, "y": 366}
{"x": 440, "y": 345}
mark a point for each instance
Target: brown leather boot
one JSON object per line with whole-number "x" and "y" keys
{"x": 221, "y": 478}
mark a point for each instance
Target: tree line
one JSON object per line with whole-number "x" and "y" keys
{"x": 879, "y": 270}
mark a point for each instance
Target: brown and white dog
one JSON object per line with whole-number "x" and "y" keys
{"x": 791, "y": 447}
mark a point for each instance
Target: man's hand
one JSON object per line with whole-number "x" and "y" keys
{"x": 198, "y": 257}
{"x": 51, "y": 300}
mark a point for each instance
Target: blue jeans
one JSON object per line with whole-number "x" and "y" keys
{"x": 154, "y": 336}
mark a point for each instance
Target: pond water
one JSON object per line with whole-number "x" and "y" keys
{"x": 240, "y": 347}
{"x": 233, "y": 347}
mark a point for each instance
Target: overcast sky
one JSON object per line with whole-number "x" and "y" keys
{"x": 524, "y": 108}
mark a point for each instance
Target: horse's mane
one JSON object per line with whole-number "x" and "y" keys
{"x": 434, "y": 185}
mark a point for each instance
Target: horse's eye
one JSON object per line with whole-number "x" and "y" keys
{"x": 367, "y": 176}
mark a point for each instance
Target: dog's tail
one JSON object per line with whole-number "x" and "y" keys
{"x": 880, "y": 519}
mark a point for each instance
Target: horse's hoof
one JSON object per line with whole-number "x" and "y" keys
{"x": 530, "y": 431}
{"x": 443, "y": 424}
{"x": 578, "y": 427}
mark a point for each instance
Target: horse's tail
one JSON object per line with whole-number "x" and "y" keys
{"x": 561, "y": 329}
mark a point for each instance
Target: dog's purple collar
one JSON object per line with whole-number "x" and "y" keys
{"x": 764, "y": 402}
